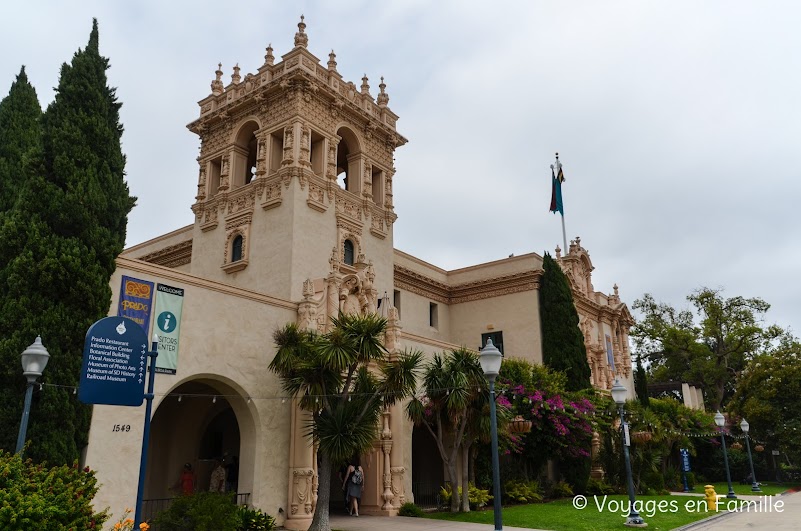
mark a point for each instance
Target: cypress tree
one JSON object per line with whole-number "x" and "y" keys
{"x": 562, "y": 341}
{"x": 641, "y": 384}
{"x": 20, "y": 132}
{"x": 60, "y": 248}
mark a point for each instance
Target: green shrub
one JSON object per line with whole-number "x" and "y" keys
{"x": 410, "y": 509}
{"x": 691, "y": 481}
{"x": 255, "y": 520}
{"x": 561, "y": 489}
{"x": 202, "y": 511}
{"x": 477, "y": 497}
{"x": 598, "y": 487}
{"x": 33, "y": 496}
{"x": 522, "y": 492}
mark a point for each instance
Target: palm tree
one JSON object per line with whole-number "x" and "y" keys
{"x": 453, "y": 384}
{"x": 344, "y": 378}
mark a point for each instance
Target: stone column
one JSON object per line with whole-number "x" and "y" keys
{"x": 302, "y": 479}
{"x": 386, "y": 448}
{"x": 401, "y": 442}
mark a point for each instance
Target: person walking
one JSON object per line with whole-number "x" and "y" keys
{"x": 188, "y": 480}
{"x": 354, "y": 482}
{"x": 217, "y": 483}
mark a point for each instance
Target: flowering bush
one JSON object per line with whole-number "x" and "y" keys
{"x": 34, "y": 496}
{"x": 127, "y": 524}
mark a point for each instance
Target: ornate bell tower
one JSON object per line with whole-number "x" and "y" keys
{"x": 294, "y": 162}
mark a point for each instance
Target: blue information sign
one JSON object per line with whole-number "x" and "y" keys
{"x": 685, "y": 460}
{"x": 114, "y": 363}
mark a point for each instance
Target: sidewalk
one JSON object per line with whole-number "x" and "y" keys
{"x": 401, "y": 523}
{"x": 784, "y": 518}
{"x": 776, "y": 519}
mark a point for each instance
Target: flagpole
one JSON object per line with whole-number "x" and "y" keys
{"x": 561, "y": 210}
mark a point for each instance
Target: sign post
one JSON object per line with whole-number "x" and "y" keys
{"x": 113, "y": 373}
{"x": 153, "y": 354}
{"x": 685, "y": 467}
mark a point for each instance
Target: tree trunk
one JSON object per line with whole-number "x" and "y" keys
{"x": 473, "y": 464}
{"x": 465, "y": 478}
{"x": 454, "y": 487}
{"x": 320, "y": 522}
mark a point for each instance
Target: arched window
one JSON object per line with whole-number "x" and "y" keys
{"x": 236, "y": 249}
{"x": 348, "y": 251}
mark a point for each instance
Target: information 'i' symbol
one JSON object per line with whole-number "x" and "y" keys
{"x": 166, "y": 321}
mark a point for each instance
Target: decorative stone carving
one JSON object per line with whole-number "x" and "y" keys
{"x": 287, "y": 160}
{"x": 398, "y": 489}
{"x": 302, "y": 491}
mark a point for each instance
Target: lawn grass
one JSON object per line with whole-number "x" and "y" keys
{"x": 771, "y": 489}
{"x": 561, "y": 515}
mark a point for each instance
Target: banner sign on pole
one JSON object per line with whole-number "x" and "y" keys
{"x": 136, "y": 298}
{"x": 113, "y": 370}
{"x": 169, "y": 306}
{"x": 685, "y": 460}
{"x": 626, "y": 437}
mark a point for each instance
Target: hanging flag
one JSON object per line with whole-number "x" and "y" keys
{"x": 168, "y": 310}
{"x": 556, "y": 191}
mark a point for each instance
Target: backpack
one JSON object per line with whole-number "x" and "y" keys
{"x": 357, "y": 477}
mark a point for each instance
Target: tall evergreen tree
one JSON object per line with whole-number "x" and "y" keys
{"x": 60, "y": 242}
{"x": 562, "y": 341}
{"x": 20, "y": 133}
{"x": 641, "y": 384}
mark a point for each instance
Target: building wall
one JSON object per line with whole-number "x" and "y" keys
{"x": 226, "y": 343}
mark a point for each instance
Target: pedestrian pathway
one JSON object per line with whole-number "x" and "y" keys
{"x": 769, "y": 515}
{"x": 401, "y": 523}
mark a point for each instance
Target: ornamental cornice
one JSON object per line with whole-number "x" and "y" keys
{"x": 602, "y": 312}
{"x": 172, "y": 256}
{"x": 469, "y": 291}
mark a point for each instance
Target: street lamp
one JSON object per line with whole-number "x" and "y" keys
{"x": 34, "y": 360}
{"x": 745, "y": 427}
{"x": 619, "y": 394}
{"x": 720, "y": 420}
{"x": 490, "y": 358}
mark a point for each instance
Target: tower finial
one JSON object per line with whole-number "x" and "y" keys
{"x": 365, "y": 85}
{"x": 301, "y": 39}
{"x": 235, "y": 77}
{"x": 383, "y": 97}
{"x": 332, "y": 61}
{"x": 217, "y": 84}
{"x": 269, "y": 58}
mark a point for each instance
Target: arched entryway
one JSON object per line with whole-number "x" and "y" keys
{"x": 428, "y": 474}
{"x": 199, "y": 421}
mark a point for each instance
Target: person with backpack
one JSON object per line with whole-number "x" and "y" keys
{"x": 354, "y": 484}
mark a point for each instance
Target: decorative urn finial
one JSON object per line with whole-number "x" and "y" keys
{"x": 217, "y": 84}
{"x": 301, "y": 39}
{"x": 235, "y": 77}
{"x": 269, "y": 58}
{"x": 365, "y": 85}
{"x": 383, "y": 97}
{"x": 332, "y": 61}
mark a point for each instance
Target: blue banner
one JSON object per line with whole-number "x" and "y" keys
{"x": 136, "y": 298}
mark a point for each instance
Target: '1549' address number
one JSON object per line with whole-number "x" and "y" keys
{"x": 121, "y": 427}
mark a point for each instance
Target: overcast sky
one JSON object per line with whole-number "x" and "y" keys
{"x": 678, "y": 122}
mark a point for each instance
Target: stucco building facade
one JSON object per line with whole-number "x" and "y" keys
{"x": 294, "y": 219}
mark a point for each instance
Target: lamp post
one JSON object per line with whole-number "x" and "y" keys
{"x": 490, "y": 358}
{"x": 720, "y": 421}
{"x": 619, "y": 396}
{"x": 745, "y": 427}
{"x": 34, "y": 360}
